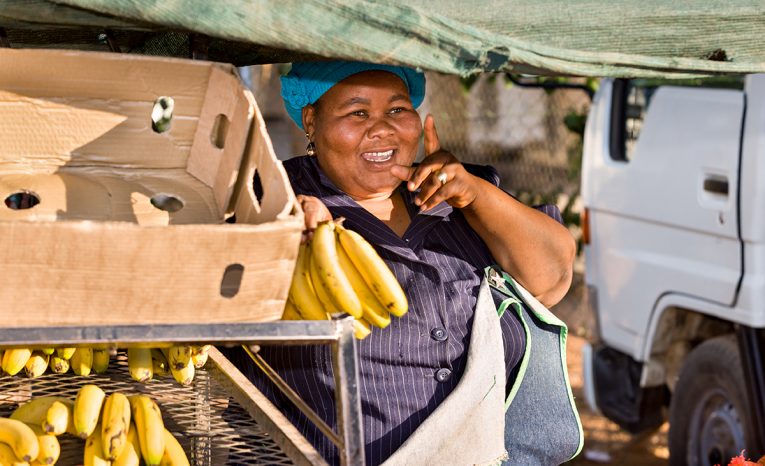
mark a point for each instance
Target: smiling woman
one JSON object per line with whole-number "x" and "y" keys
{"x": 428, "y": 381}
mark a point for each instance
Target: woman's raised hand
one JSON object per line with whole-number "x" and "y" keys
{"x": 314, "y": 211}
{"x": 440, "y": 176}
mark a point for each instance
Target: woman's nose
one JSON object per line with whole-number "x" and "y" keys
{"x": 379, "y": 127}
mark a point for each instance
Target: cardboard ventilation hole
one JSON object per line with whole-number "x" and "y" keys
{"x": 118, "y": 175}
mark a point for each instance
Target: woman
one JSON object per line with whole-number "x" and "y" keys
{"x": 437, "y": 225}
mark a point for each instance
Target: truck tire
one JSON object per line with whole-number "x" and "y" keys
{"x": 709, "y": 413}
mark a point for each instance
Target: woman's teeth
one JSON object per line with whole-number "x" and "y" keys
{"x": 378, "y": 156}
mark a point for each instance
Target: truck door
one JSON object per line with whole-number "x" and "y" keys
{"x": 660, "y": 181}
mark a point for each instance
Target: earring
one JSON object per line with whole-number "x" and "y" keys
{"x": 310, "y": 149}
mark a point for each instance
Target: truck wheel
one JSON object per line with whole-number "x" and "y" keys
{"x": 709, "y": 412}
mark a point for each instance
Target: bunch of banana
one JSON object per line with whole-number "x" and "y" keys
{"x": 339, "y": 271}
{"x": 117, "y": 429}
{"x": 180, "y": 361}
{"x": 82, "y": 361}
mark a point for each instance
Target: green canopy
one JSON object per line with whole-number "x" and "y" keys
{"x": 620, "y": 38}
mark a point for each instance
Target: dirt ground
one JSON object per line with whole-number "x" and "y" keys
{"x": 604, "y": 441}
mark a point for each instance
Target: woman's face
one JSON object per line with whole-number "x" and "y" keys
{"x": 361, "y": 127}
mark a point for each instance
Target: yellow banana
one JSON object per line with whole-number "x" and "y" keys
{"x": 375, "y": 271}
{"x": 361, "y": 329}
{"x": 148, "y": 422}
{"x": 50, "y": 449}
{"x": 58, "y": 364}
{"x": 20, "y": 438}
{"x": 184, "y": 375}
{"x": 321, "y": 292}
{"x": 35, "y": 411}
{"x": 60, "y": 418}
{"x": 115, "y": 422}
{"x": 291, "y": 311}
{"x": 82, "y": 361}
{"x": 94, "y": 454}
{"x": 179, "y": 356}
{"x": 139, "y": 364}
{"x": 8, "y": 457}
{"x": 159, "y": 362}
{"x": 15, "y": 359}
{"x": 100, "y": 360}
{"x": 36, "y": 365}
{"x": 131, "y": 454}
{"x": 330, "y": 274}
{"x": 199, "y": 355}
{"x": 174, "y": 454}
{"x": 373, "y": 311}
{"x": 65, "y": 353}
{"x": 48, "y": 351}
{"x": 302, "y": 292}
{"x": 87, "y": 409}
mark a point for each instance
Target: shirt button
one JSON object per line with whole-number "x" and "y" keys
{"x": 439, "y": 334}
{"x": 442, "y": 375}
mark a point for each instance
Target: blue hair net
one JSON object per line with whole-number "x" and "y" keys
{"x": 307, "y": 81}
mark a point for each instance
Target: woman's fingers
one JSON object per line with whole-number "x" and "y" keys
{"x": 314, "y": 211}
{"x": 431, "y": 143}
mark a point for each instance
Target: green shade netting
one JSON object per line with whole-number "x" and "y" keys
{"x": 619, "y": 38}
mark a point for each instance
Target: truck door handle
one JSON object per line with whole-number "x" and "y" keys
{"x": 716, "y": 185}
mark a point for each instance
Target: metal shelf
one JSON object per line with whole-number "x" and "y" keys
{"x": 222, "y": 418}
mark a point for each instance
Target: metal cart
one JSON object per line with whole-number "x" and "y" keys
{"x": 222, "y": 418}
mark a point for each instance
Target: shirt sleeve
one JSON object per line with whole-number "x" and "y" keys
{"x": 490, "y": 174}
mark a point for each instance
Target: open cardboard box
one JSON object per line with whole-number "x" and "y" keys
{"x": 118, "y": 173}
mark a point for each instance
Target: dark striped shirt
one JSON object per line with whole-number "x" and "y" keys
{"x": 408, "y": 368}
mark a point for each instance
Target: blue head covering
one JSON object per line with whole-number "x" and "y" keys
{"x": 307, "y": 81}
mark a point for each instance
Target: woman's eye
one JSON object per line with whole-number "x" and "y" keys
{"x": 397, "y": 110}
{"x": 359, "y": 113}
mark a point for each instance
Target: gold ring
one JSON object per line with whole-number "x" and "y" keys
{"x": 441, "y": 177}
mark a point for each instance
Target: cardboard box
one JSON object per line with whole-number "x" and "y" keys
{"x": 127, "y": 224}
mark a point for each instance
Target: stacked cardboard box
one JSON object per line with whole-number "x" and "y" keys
{"x": 120, "y": 176}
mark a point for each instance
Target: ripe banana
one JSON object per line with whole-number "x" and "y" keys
{"x": 35, "y": 411}
{"x": 139, "y": 364}
{"x": 184, "y": 375}
{"x": 361, "y": 329}
{"x": 174, "y": 454}
{"x": 159, "y": 362}
{"x": 87, "y": 409}
{"x": 375, "y": 271}
{"x": 36, "y": 365}
{"x": 58, "y": 364}
{"x": 20, "y": 438}
{"x": 373, "y": 311}
{"x": 302, "y": 292}
{"x": 60, "y": 418}
{"x": 82, "y": 361}
{"x": 100, "y": 360}
{"x": 199, "y": 355}
{"x": 8, "y": 457}
{"x": 179, "y": 356}
{"x": 65, "y": 353}
{"x": 330, "y": 274}
{"x": 50, "y": 449}
{"x": 94, "y": 454}
{"x": 321, "y": 292}
{"x": 15, "y": 359}
{"x": 291, "y": 311}
{"x": 48, "y": 351}
{"x": 148, "y": 422}
{"x": 131, "y": 454}
{"x": 115, "y": 422}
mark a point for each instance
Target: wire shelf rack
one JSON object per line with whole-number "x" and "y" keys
{"x": 213, "y": 428}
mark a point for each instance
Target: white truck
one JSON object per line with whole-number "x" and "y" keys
{"x": 673, "y": 184}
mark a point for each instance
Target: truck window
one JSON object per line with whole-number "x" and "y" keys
{"x": 631, "y": 99}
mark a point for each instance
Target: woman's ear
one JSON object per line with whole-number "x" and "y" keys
{"x": 309, "y": 114}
